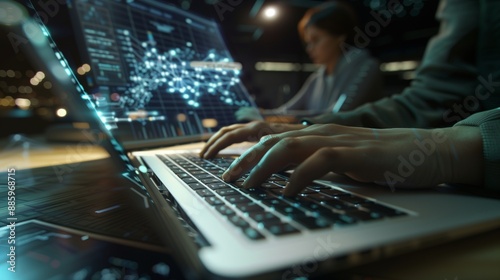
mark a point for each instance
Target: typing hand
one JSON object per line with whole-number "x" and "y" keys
{"x": 393, "y": 157}
{"x": 238, "y": 133}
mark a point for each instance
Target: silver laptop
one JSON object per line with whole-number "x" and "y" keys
{"x": 161, "y": 81}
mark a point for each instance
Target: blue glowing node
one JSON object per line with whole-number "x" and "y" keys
{"x": 170, "y": 72}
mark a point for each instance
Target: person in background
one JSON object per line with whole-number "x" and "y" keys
{"x": 445, "y": 127}
{"x": 346, "y": 78}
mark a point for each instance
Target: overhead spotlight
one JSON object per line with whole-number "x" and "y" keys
{"x": 270, "y": 12}
{"x": 61, "y": 112}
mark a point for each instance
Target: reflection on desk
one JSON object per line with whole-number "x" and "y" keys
{"x": 76, "y": 217}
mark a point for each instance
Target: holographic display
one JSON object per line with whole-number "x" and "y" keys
{"x": 157, "y": 71}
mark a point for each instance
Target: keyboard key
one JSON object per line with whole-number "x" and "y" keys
{"x": 226, "y": 192}
{"x": 275, "y": 202}
{"x": 266, "y": 217}
{"x": 252, "y": 233}
{"x": 210, "y": 181}
{"x": 258, "y": 194}
{"x": 289, "y": 210}
{"x": 238, "y": 221}
{"x": 225, "y": 210}
{"x": 249, "y": 207}
{"x": 189, "y": 180}
{"x": 204, "y": 193}
{"x": 204, "y": 176}
{"x": 281, "y": 183}
{"x": 318, "y": 187}
{"x": 212, "y": 200}
{"x": 337, "y": 204}
{"x": 314, "y": 222}
{"x": 280, "y": 229}
{"x": 237, "y": 198}
{"x": 196, "y": 186}
{"x": 277, "y": 192}
{"x": 217, "y": 186}
{"x": 238, "y": 184}
{"x": 270, "y": 186}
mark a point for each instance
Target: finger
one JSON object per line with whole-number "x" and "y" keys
{"x": 252, "y": 156}
{"x": 249, "y": 158}
{"x": 221, "y": 140}
{"x": 324, "y": 160}
{"x": 288, "y": 151}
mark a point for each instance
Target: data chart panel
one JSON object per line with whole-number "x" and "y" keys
{"x": 156, "y": 71}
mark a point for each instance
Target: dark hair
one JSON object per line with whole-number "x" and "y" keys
{"x": 335, "y": 17}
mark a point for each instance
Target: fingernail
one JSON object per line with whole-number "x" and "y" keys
{"x": 245, "y": 184}
{"x": 225, "y": 176}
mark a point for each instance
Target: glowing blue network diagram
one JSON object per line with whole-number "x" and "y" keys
{"x": 172, "y": 72}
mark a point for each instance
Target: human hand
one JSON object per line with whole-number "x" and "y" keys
{"x": 248, "y": 114}
{"x": 393, "y": 157}
{"x": 238, "y": 133}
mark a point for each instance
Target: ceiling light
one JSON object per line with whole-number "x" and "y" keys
{"x": 270, "y": 12}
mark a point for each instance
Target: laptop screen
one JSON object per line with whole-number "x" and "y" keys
{"x": 154, "y": 72}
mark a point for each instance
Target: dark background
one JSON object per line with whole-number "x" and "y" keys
{"x": 250, "y": 38}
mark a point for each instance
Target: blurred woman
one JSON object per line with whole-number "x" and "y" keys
{"x": 347, "y": 76}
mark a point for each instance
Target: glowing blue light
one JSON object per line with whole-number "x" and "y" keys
{"x": 143, "y": 169}
{"x": 190, "y": 83}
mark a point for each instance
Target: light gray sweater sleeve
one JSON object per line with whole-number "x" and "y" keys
{"x": 489, "y": 125}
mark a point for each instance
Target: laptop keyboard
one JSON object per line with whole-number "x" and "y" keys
{"x": 264, "y": 212}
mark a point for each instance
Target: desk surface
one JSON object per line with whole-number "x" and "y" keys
{"x": 60, "y": 187}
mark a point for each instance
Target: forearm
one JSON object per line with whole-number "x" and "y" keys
{"x": 466, "y": 155}
{"x": 488, "y": 124}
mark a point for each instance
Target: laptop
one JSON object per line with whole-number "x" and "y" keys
{"x": 157, "y": 81}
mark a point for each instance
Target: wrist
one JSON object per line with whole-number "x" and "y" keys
{"x": 466, "y": 155}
